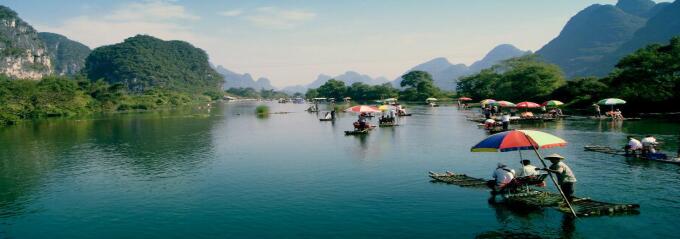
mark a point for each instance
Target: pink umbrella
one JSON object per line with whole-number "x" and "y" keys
{"x": 363, "y": 109}
{"x": 527, "y": 104}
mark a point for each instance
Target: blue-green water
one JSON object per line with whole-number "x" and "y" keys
{"x": 228, "y": 174}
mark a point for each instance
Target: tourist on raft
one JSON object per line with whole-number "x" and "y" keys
{"x": 528, "y": 169}
{"x": 649, "y": 144}
{"x": 633, "y": 146}
{"x": 565, "y": 177}
{"x": 502, "y": 176}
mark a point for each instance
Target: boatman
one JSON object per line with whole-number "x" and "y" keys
{"x": 565, "y": 177}
{"x": 502, "y": 176}
{"x": 597, "y": 110}
{"x": 633, "y": 145}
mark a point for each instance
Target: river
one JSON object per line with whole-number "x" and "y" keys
{"x": 226, "y": 173}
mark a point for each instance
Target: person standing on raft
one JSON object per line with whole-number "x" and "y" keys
{"x": 565, "y": 177}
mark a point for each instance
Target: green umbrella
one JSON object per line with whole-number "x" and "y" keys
{"x": 611, "y": 101}
{"x": 553, "y": 103}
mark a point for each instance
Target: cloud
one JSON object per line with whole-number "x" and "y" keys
{"x": 231, "y": 13}
{"x": 163, "y": 19}
{"x": 276, "y": 18}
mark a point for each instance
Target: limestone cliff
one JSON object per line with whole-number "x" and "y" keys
{"x": 22, "y": 53}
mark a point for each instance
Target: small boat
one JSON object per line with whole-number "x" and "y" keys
{"x": 325, "y": 119}
{"x": 495, "y": 130}
{"x": 658, "y": 157}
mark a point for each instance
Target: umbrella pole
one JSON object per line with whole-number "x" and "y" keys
{"x": 552, "y": 178}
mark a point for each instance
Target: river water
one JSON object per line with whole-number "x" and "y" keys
{"x": 226, "y": 173}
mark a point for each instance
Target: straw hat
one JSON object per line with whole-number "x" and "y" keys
{"x": 554, "y": 156}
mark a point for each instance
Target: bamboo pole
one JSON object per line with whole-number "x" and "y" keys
{"x": 566, "y": 200}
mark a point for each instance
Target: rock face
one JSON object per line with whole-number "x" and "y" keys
{"x": 68, "y": 56}
{"x": 22, "y": 54}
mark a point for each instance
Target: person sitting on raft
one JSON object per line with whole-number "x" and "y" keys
{"x": 648, "y": 144}
{"x": 489, "y": 124}
{"x": 633, "y": 145}
{"x": 528, "y": 169}
{"x": 502, "y": 176}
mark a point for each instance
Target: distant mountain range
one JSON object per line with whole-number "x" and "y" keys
{"x": 236, "y": 80}
{"x": 349, "y": 77}
{"x": 594, "y": 40}
{"x": 445, "y": 74}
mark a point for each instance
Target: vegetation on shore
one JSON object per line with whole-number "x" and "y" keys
{"x": 417, "y": 86}
{"x": 648, "y": 79}
{"x": 251, "y": 93}
{"x": 62, "y": 96}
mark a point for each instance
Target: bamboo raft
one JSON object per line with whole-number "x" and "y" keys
{"x": 534, "y": 199}
{"x": 584, "y": 207}
{"x": 458, "y": 179}
{"x": 609, "y": 150}
{"x": 388, "y": 125}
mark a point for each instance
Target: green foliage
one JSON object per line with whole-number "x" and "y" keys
{"x": 516, "y": 79}
{"x": 68, "y": 56}
{"x": 262, "y": 110}
{"x": 62, "y": 96}
{"x": 333, "y": 89}
{"x": 144, "y": 62}
{"x": 419, "y": 86}
{"x": 581, "y": 92}
{"x": 649, "y": 77}
{"x": 253, "y": 94}
{"x": 312, "y": 93}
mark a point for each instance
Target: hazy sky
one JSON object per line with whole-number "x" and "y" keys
{"x": 291, "y": 42}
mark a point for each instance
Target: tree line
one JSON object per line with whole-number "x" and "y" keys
{"x": 417, "y": 86}
{"x": 648, "y": 79}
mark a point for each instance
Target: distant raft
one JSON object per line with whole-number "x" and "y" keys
{"x": 658, "y": 157}
{"x": 535, "y": 199}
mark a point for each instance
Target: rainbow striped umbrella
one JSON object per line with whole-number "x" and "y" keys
{"x": 503, "y": 103}
{"x": 518, "y": 140}
{"x": 487, "y": 101}
{"x": 552, "y": 103}
{"x": 524, "y": 140}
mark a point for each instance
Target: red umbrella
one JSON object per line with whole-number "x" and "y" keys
{"x": 465, "y": 99}
{"x": 363, "y": 109}
{"x": 527, "y": 104}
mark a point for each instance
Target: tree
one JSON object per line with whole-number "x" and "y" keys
{"x": 419, "y": 86}
{"x": 649, "y": 78}
{"x": 312, "y": 93}
{"x": 479, "y": 86}
{"x": 333, "y": 89}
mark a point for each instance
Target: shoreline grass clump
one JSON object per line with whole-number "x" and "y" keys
{"x": 262, "y": 110}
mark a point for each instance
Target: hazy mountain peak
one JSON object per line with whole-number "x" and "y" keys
{"x": 497, "y": 54}
{"x": 636, "y": 7}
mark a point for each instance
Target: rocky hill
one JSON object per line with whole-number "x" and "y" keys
{"x": 22, "y": 53}
{"x": 67, "y": 56}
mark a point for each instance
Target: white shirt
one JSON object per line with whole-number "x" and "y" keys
{"x": 489, "y": 121}
{"x": 505, "y": 118}
{"x": 648, "y": 141}
{"x": 528, "y": 170}
{"x": 503, "y": 175}
{"x": 634, "y": 144}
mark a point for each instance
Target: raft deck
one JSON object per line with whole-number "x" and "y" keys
{"x": 534, "y": 199}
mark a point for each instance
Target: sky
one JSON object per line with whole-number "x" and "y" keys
{"x": 292, "y": 42}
